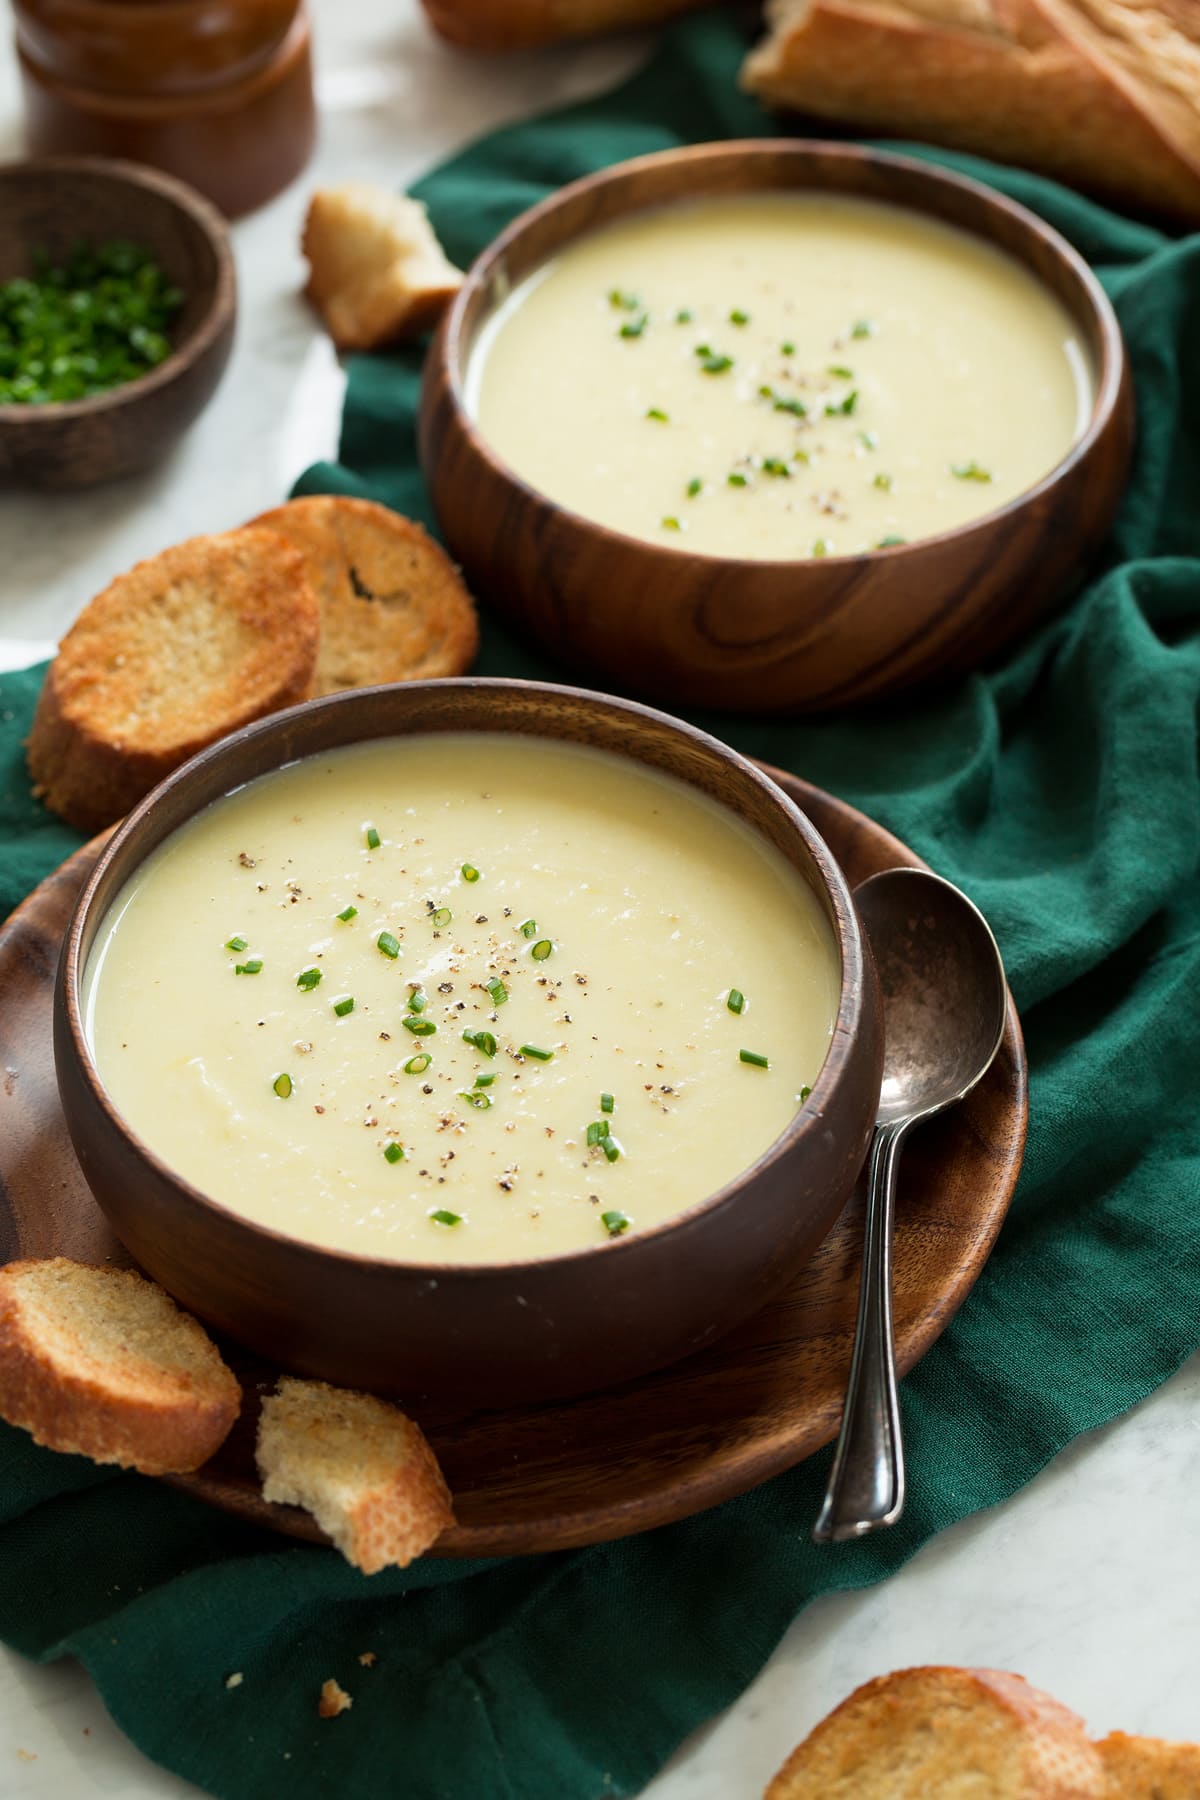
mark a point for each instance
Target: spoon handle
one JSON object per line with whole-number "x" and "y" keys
{"x": 866, "y": 1483}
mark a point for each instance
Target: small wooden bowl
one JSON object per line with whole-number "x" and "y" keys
{"x": 50, "y": 204}
{"x": 764, "y": 636}
{"x": 491, "y": 1333}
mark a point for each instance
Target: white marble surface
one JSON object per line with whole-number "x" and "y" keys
{"x": 1088, "y": 1581}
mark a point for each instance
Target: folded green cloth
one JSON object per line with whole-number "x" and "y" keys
{"x": 1061, "y": 791}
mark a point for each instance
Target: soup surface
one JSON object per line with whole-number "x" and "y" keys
{"x": 781, "y": 376}
{"x": 462, "y": 998}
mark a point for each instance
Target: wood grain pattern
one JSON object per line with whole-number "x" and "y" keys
{"x": 583, "y": 1471}
{"x": 770, "y": 637}
{"x": 49, "y": 204}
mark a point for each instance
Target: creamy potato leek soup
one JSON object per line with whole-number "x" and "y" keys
{"x": 781, "y": 376}
{"x": 472, "y": 997}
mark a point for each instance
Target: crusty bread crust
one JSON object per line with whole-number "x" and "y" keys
{"x": 941, "y": 1734}
{"x": 517, "y": 24}
{"x": 102, "y": 1363}
{"x": 392, "y": 605}
{"x": 377, "y": 273}
{"x": 180, "y": 650}
{"x": 1140, "y": 1768}
{"x": 363, "y": 1470}
{"x": 1102, "y": 93}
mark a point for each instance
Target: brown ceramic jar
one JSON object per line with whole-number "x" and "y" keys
{"x": 217, "y": 92}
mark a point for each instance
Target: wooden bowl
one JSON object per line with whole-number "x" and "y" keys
{"x": 770, "y": 636}
{"x": 490, "y": 1333}
{"x": 50, "y": 204}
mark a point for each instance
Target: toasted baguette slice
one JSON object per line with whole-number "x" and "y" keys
{"x": 517, "y": 24}
{"x": 944, "y": 1734}
{"x": 392, "y": 605}
{"x": 377, "y": 274}
{"x": 102, "y": 1363}
{"x": 1102, "y": 93}
{"x": 1141, "y": 1768}
{"x": 364, "y": 1472}
{"x": 183, "y": 648}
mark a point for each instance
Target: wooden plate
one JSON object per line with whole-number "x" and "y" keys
{"x": 581, "y": 1471}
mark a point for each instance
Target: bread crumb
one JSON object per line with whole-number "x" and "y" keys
{"x": 368, "y": 1659}
{"x": 27, "y": 1755}
{"x": 236, "y": 1680}
{"x": 334, "y": 1700}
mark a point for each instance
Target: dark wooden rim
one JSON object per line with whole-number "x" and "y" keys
{"x": 124, "y": 850}
{"x": 222, "y": 303}
{"x": 451, "y": 348}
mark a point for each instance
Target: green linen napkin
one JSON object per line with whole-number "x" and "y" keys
{"x": 1061, "y": 791}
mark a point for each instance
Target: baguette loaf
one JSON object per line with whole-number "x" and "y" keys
{"x": 392, "y": 605}
{"x": 101, "y": 1363}
{"x": 517, "y": 24}
{"x": 945, "y": 1734}
{"x": 1101, "y": 93}
{"x": 185, "y": 647}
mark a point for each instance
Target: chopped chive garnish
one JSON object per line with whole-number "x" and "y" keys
{"x": 344, "y": 1006}
{"x": 597, "y": 1132}
{"x": 694, "y": 486}
{"x": 970, "y": 471}
{"x": 775, "y": 465}
{"x": 805, "y": 1092}
{"x": 308, "y": 979}
{"x": 248, "y": 968}
{"x": 393, "y": 1152}
{"x": 735, "y": 478}
{"x": 606, "y": 1103}
{"x": 480, "y": 1102}
{"x": 633, "y": 328}
{"x": 821, "y": 547}
{"x": 236, "y": 943}
{"x": 418, "y": 1026}
{"x": 541, "y": 950}
{"x": 883, "y": 481}
{"x": 671, "y": 523}
{"x": 622, "y": 301}
{"x": 538, "y": 1054}
{"x": 442, "y": 1217}
{"x": 713, "y": 362}
{"x": 611, "y": 1148}
{"x": 842, "y": 408}
{"x": 738, "y": 317}
{"x": 482, "y": 1040}
{"x": 614, "y": 1223}
{"x": 863, "y": 328}
{"x": 418, "y": 1000}
{"x": 787, "y": 348}
{"x": 282, "y": 1085}
{"x": 754, "y": 1059}
{"x": 469, "y": 872}
{"x": 440, "y": 917}
{"x": 868, "y": 440}
{"x": 684, "y": 316}
{"x": 485, "y": 1080}
{"x": 783, "y": 404}
{"x": 388, "y": 945}
{"x": 497, "y": 990}
{"x": 840, "y": 371}
{"x": 890, "y": 542}
{"x": 372, "y": 838}
{"x": 656, "y": 412}
{"x": 347, "y": 913}
{"x": 528, "y": 928}
{"x": 417, "y": 1065}
{"x": 736, "y": 1000}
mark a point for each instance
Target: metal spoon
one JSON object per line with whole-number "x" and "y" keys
{"x": 944, "y": 1003}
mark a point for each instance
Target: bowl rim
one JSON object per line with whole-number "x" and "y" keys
{"x": 848, "y": 938}
{"x": 220, "y": 309}
{"x": 452, "y": 354}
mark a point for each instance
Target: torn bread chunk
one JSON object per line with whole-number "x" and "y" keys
{"x": 377, "y": 274}
{"x": 363, "y": 1470}
{"x": 1140, "y": 1768}
{"x": 102, "y": 1363}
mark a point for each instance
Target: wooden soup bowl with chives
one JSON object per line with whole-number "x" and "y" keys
{"x": 811, "y": 634}
{"x": 495, "y": 1332}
